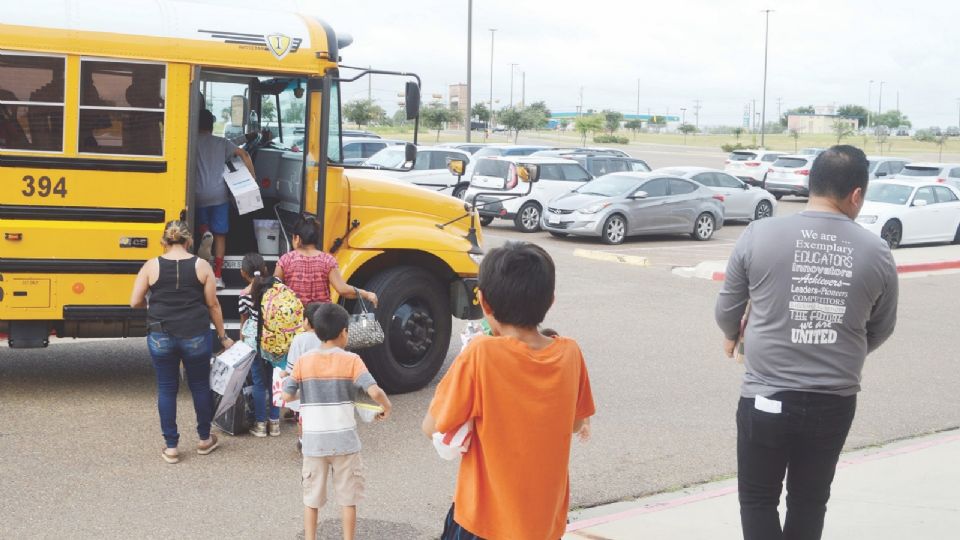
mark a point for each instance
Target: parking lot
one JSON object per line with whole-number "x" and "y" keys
{"x": 80, "y": 434}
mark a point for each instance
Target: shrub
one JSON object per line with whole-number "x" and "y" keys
{"x": 738, "y": 146}
{"x": 611, "y": 139}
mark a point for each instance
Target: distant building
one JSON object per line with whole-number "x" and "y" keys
{"x": 458, "y": 102}
{"x": 821, "y": 121}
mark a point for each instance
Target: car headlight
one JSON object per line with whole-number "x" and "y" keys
{"x": 867, "y": 220}
{"x": 594, "y": 208}
{"x": 477, "y": 258}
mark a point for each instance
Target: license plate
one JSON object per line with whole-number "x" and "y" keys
{"x": 553, "y": 220}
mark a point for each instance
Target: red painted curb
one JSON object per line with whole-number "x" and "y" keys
{"x": 901, "y": 269}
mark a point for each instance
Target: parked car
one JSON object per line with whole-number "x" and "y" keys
{"x": 751, "y": 166}
{"x": 811, "y": 151}
{"x": 468, "y": 147}
{"x": 495, "y": 175}
{"x": 905, "y": 212}
{"x": 789, "y": 175}
{"x": 356, "y": 150}
{"x": 740, "y": 199}
{"x": 594, "y": 150}
{"x": 359, "y": 133}
{"x": 944, "y": 173}
{"x": 620, "y": 205}
{"x": 429, "y": 170}
{"x": 885, "y": 166}
{"x": 509, "y": 150}
{"x": 599, "y": 164}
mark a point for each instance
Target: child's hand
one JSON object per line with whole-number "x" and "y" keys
{"x": 386, "y": 412}
{"x": 584, "y": 433}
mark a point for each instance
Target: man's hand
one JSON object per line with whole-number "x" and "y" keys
{"x": 729, "y": 345}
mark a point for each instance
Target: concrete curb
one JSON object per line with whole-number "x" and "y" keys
{"x": 606, "y": 256}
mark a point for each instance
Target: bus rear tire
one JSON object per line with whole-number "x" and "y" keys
{"x": 414, "y": 311}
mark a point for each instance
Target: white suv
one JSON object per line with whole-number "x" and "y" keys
{"x": 790, "y": 175}
{"x": 751, "y": 166}
{"x": 498, "y": 191}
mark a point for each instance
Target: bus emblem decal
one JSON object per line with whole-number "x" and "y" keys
{"x": 278, "y": 44}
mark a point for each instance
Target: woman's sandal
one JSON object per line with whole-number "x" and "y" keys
{"x": 170, "y": 457}
{"x": 204, "y": 449}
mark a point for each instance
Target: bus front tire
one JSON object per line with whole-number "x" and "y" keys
{"x": 414, "y": 312}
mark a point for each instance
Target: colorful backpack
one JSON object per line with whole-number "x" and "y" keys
{"x": 281, "y": 318}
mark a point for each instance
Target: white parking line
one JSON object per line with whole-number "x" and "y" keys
{"x": 606, "y": 256}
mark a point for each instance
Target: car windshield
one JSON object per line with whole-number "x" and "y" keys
{"x": 611, "y": 185}
{"x": 390, "y": 157}
{"x": 791, "y": 163}
{"x": 742, "y": 156}
{"x": 888, "y": 193}
{"x": 919, "y": 171}
{"x": 492, "y": 167}
{"x": 486, "y": 152}
{"x": 872, "y": 165}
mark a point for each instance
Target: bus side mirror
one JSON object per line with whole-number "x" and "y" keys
{"x": 456, "y": 166}
{"x": 409, "y": 155}
{"x": 528, "y": 173}
{"x": 412, "y": 103}
{"x": 238, "y": 110}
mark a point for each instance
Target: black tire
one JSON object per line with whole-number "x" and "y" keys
{"x": 410, "y": 300}
{"x": 558, "y": 234}
{"x": 892, "y": 233}
{"x": 704, "y": 227}
{"x": 763, "y": 210}
{"x": 614, "y": 230}
{"x": 528, "y": 218}
{"x": 460, "y": 190}
{"x": 486, "y": 220}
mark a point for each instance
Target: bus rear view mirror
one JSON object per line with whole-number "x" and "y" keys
{"x": 528, "y": 173}
{"x": 456, "y": 166}
{"x": 409, "y": 155}
{"x": 238, "y": 110}
{"x": 412, "y": 103}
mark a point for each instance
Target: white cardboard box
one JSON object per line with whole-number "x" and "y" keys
{"x": 243, "y": 186}
{"x": 230, "y": 369}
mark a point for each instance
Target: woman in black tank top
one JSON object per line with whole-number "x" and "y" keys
{"x": 182, "y": 304}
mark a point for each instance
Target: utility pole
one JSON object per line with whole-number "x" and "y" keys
{"x": 696, "y": 114}
{"x": 958, "y": 112}
{"x": 683, "y": 123}
{"x": 638, "y": 98}
{"x": 469, "y": 121}
{"x": 370, "y": 86}
{"x": 869, "y": 100}
{"x": 580, "y": 107}
{"x": 512, "y": 66}
{"x": 523, "y": 89}
{"x": 766, "y": 41}
{"x": 490, "y": 123}
{"x": 779, "y": 114}
{"x": 880, "y": 99}
{"x": 753, "y": 116}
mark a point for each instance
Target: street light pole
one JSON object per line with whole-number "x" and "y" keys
{"x": 469, "y": 121}
{"x": 512, "y": 66}
{"x": 869, "y": 100}
{"x": 490, "y": 127}
{"x": 763, "y": 107}
{"x": 880, "y": 99}
{"x": 638, "y": 98}
{"x": 683, "y": 123}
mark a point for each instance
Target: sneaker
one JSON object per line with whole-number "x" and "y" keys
{"x": 205, "y": 448}
{"x": 204, "y": 250}
{"x": 273, "y": 428}
{"x": 220, "y": 284}
{"x": 259, "y": 429}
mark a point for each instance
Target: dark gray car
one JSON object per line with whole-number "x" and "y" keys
{"x": 619, "y": 205}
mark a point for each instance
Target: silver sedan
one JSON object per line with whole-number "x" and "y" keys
{"x": 740, "y": 200}
{"x": 619, "y": 205}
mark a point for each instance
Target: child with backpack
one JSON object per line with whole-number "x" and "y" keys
{"x": 271, "y": 315}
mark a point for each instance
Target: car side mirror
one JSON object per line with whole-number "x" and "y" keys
{"x": 412, "y": 103}
{"x": 920, "y": 202}
{"x": 879, "y": 174}
{"x": 456, "y": 166}
{"x": 409, "y": 155}
{"x": 528, "y": 172}
{"x": 745, "y": 186}
{"x": 639, "y": 195}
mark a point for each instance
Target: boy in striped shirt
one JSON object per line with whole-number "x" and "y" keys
{"x": 328, "y": 381}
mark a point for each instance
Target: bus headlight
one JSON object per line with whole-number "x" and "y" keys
{"x": 476, "y": 257}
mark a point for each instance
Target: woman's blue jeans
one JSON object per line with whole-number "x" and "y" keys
{"x": 168, "y": 352}
{"x": 262, "y": 374}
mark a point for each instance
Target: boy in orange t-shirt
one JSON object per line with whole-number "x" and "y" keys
{"x": 527, "y": 394}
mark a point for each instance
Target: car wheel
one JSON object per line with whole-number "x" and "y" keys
{"x": 558, "y": 234}
{"x": 614, "y": 230}
{"x": 764, "y": 210}
{"x": 704, "y": 226}
{"x": 460, "y": 190}
{"x": 486, "y": 220}
{"x": 528, "y": 218}
{"x": 892, "y": 233}
{"x": 414, "y": 311}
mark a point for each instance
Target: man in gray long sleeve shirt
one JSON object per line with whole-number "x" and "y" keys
{"x": 822, "y": 293}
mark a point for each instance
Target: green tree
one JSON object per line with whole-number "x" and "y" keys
{"x": 400, "y": 117}
{"x": 436, "y": 115}
{"x": 268, "y": 110}
{"x": 687, "y": 129}
{"x": 481, "y": 111}
{"x": 294, "y": 113}
{"x": 611, "y": 120}
{"x": 892, "y": 119}
{"x": 795, "y": 135}
{"x": 855, "y": 111}
{"x": 540, "y": 112}
{"x": 362, "y": 112}
{"x": 225, "y": 114}
{"x": 927, "y": 135}
{"x": 517, "y": 120}
{"x": 588, "y": 124}
{"x": 798, "y": 110}
{"x": 563, "y": 124}
{"x": 737, "y": 132}
{"x": 634, "y": 126}
{"x": 841, "y": 129}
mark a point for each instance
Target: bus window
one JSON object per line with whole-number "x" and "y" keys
{"x": 31, "y": 102}
{"x": 333, "y": 144}
{"x": 121, "y": 108}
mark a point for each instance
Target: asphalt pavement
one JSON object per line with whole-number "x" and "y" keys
{"x": 80, "y": 438}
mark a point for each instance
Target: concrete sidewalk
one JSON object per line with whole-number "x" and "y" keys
{"x": 911, "y": 261}
{"x": 906, "y": 489}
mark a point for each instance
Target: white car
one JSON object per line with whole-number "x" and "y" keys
{"x": 790, "y": 175}
{"x": 885, "y": 166}
{"x": 740, "y": 199}
{"x": 751, "y": 166}
{"x": 944, "y": 173}
{"x": 498, "y": 193}
{"x": 909, "y": 212}
{"x": 429, "y": 171}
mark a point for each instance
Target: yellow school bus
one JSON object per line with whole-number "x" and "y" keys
{"x": 99, "y": 104}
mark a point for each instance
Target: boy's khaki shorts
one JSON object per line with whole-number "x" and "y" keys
{"x": 347, "y": 479}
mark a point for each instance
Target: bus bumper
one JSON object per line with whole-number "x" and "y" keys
{"x": 464, "y": 299}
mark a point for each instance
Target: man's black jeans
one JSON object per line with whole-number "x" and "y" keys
{"x": 804, "y": 441}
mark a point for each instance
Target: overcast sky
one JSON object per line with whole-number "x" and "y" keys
{"x": 821, "y": 52}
